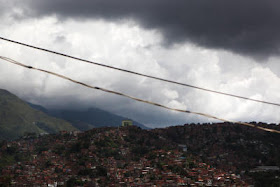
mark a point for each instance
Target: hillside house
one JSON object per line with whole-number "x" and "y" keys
{"x": 127, "y": 123}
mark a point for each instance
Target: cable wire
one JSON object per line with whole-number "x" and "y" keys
{"x": 135, "y": 98}
{"x": 141, "y": 74}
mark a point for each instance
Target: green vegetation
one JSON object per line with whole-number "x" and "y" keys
{"x": 18, "y": 118}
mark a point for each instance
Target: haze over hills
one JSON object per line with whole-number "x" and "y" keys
{"x": 87, "y": 119}
{"x": 17, "y": 118}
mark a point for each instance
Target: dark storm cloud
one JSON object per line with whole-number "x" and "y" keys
{"x": 250, "y": 27}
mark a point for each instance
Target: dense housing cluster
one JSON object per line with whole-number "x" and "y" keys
{"x": 129, "y": 156}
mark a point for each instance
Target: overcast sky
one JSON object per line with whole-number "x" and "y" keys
{"x": 229, "y": 46}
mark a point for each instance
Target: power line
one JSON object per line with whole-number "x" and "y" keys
{"x": 141, "y": 74}
{"x": 135, "y": 98}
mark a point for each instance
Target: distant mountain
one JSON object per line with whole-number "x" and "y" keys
{"x": 18, "y": 118}
{"x": 87, "y": 119}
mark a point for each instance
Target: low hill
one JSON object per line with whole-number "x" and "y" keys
{"x": 126, "y": 156}
{"x": 229, "y": 146}
{"x": 221, "y": 154}
{"x": 88, "y": 119}
{"x": 18, "y": 118}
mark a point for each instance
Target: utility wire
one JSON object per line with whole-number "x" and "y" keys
{"x": 141, "y": 74}
{"x": 135, "y": 98}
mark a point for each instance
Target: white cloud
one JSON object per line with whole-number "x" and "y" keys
{"x": 126, "y": 45}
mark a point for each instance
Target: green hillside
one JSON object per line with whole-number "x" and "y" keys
{"x": 17, "y": 118}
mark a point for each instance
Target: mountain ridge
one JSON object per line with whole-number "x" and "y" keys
{"x": 18, "y": 118}
{"x": 87, "y": 119}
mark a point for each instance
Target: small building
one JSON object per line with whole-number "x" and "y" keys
{"x": 184, "y": 147}
{"x": 126, "y": 123}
